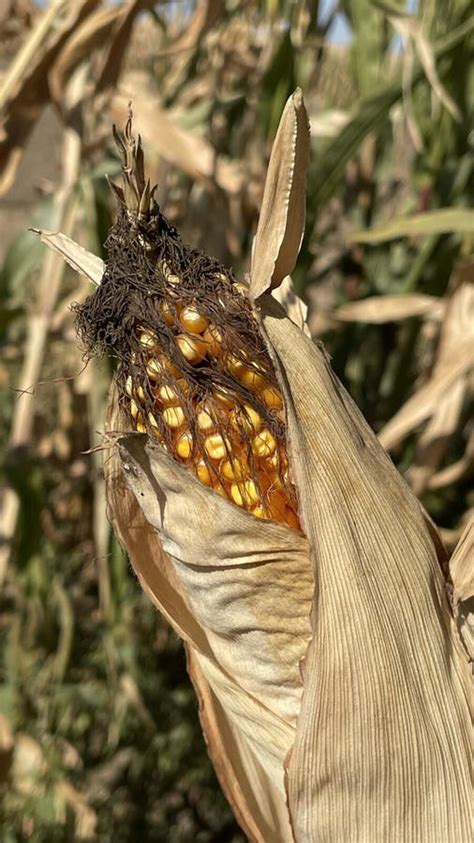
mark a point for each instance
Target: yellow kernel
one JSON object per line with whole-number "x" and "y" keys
{"x": 259, "y": 512}
{"x": 234, "y": 364}
{"x": 205, "y": 421}
{"x": 184, "y": 445}
{"x": 129, "y": 386}
{"x": 154, "y": 369}
{"x": 133, "y": 409}
{"x": 234, "y": 470}
{"x": 140, "y": 393}
{"x": 192, "y": 348}
{"x": 168, "y": 395}
{"x": 168, "y": 314}
{"x": 220, "y": 490}
{"x": 244, "y": 494}
{"x": 203, "y": 473}
{"x": 170, "y": 367}
{"x": 216, "y": 446}
{"x": 224, "y": 397}
{"x": 140, "y": 427}
{"x": 272, "y": 397}
{"x": 182, "y": 385}
{"x": 173, "y": 416}
{"x": 152, "y": 420}
{"x": 246, "y": 418}
{"x": 192, "y": 320}
{"x": 148, "y": 340}
{"x": 252, "y": 378}
{"x": 264, "y": 443}
{"x": 212, "y": 337}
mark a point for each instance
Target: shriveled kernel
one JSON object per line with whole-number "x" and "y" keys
{"x": 192, "y": 348}
{"x": 129, "y": 386}
{"x": 168, "y": 314}
{"x": 148, "y": 340}
{"x": 221, "y": 490}
{"x": 133, "y": 409}
{"x": 140, "y": 426}
{"x": 251, "y": 378}
{"x": 152, "y": 421}
{"x": 203, "y": 473}
{"x": 272, "y": 397}
{"x": 216, "y": 446}
{"x": 184, "y": 445}
{"x": 246, "y": 418}
{"x": 192, "y": 320}
{"x": 173, "y": 416}
{"x": 235, "y": 469}
{"x": 154, "y": 369}
{"x": 205, "y": 421}
{"x": 168, "y": 395}
{"x": 264, "y": 443}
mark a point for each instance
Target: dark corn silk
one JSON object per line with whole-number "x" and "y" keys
{"x": 193, "y": 370}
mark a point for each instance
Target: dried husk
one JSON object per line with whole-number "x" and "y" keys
{"x": 382, "y": 745}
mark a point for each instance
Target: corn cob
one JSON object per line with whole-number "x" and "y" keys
{"x": 193, "y": 370}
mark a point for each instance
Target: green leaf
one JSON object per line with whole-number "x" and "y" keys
{"x": 370, "y": 114}
{"x": 440, "y": 221}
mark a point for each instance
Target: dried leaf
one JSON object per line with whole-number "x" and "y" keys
{"x": 84, "y": 262}
{"x": 93, "y": 32}
{"x": 25, "y": 90}
{"x": 380, "y": 309}
{"x": 161, "y": 131}
{"x": 457, "y": 330}
{"x": 282, "y": 217}
{"x": 462, "y": 574}
{"x": 384, "y": 677}
{"x": 425, "y": 401}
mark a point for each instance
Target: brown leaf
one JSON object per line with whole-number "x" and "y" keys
{"x": 282, "y": 216}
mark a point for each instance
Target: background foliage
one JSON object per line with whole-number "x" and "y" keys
{"x": 99, "y": 736}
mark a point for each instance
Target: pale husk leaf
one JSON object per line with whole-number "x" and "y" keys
{"x": 239, "y": 591}
{"x": 382, "y": 743}
{"x": 282, "y": 216}
{"x": 79, "y": 258}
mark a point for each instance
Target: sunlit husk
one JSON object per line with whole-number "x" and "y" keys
{"x": 382, "y": 746}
